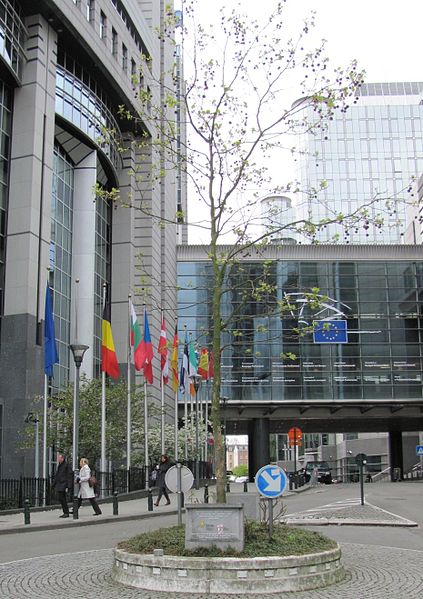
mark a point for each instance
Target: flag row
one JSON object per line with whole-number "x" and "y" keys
{"x": 193, "y": 363}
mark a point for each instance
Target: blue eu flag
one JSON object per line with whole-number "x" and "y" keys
{"x": 50, "y": 348}
{"x": 330, "y": 331}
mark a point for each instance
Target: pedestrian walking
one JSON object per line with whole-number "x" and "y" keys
{"x": 63, "y": 482}
{"x": 163, "y": 467}
{"x": 85, "y": 491}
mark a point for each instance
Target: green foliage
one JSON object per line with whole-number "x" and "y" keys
{"x": 285, "y": 541}
{"x": 241, "y": 470}
{"x": 61, "y": 420}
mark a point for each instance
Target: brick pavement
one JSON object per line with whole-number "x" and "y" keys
{"x": 371, "y": 573}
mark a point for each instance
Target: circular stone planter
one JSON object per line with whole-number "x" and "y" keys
{"x": 255, "y": 576}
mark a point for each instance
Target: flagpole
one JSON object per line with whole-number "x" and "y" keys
{"x": 129, "y": 407}
{"x": 45, "y": 406}
{"x": 162, "y": 399}
{"x": 206, "y": 420}
{"x": 186, "y": 402}
{"x": 103, "y": 417}
{"x": 147, "y": 478}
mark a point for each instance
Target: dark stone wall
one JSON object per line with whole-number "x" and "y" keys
{"x": 21, "y": 380}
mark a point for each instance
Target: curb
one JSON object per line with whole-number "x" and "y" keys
{"x": 351, "y": 522}
{"x": 23, "y": 528}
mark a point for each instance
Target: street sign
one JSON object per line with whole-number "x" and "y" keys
{"x": 295, "y": 436}
{"x": 419, "y": 450}
{"x": 271, "y": 481}
{"x": 171, "y": 479}
{"x": 361, "y": 458}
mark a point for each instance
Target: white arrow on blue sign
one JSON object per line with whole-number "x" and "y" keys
{"x": 419, "y": 449}
{"x": 271, "y": 481}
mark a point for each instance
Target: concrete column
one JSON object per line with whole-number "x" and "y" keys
{"x": 83, "y": 259}
{"x": 258, "y": 444}
{"x": 395, "y": 452}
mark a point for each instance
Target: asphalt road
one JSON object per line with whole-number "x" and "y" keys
{"x": 75, "y": 563}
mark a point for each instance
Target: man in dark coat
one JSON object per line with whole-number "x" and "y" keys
{"x": 62, "y": 482}
{"x": 163, "y": 467}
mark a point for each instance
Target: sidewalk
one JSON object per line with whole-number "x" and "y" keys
{"x": 133, "y": 509}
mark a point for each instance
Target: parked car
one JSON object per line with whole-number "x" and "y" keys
{"x": 324, "y": 474}
{"x": 242, "y": 479}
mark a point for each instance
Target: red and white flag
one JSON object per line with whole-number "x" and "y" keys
{"x": 163, "y": 351}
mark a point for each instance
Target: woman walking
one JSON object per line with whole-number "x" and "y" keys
{"x": 85, "y": 491}
{"x": 164, "y": 466}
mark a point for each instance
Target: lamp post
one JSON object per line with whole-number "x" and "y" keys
{"x": 31, "y": 417}
{"x": 224, "y": 399}
{"x": 196, "y": 381}
{"x": 78, "y": 352}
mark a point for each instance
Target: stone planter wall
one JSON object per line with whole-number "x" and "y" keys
{"x": 254, "y": 576}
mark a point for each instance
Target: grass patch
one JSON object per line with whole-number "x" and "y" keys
{"x": 286, "y": 541}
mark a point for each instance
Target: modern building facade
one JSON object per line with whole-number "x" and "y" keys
{"x": 361, "y": 372}
{"x": 65, "y": 68}
{"x": 370, "y": 152}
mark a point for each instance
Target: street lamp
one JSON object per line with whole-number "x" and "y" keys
{"x": 196, "y": 381}
{"x": 31, "y": 417}
{"x": 78, "y": 352}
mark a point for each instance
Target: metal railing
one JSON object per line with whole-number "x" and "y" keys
{"x": 41, "y": 492}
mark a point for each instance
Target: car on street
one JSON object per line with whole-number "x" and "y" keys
{"x": 324, "y": 474}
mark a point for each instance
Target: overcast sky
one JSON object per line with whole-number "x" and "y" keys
{"x": 383, "y": 35}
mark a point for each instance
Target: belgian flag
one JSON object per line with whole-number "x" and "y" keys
{"x": 109, "y": 363}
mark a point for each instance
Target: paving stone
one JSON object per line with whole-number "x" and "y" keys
{"x": 371, "y": 572}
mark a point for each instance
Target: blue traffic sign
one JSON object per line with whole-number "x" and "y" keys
{"x": 419, "y": 449}
{"x": 271, "y": 481}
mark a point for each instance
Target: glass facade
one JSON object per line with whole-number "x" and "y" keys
{"x": 61, "y": 258}
{"x": 269, "y": 356}
{"x": 5, "y": 131}
{"x": 371, "y": 151}
{"x": 103, "y": 234}
{"x": 12, "y": 36}
{"x": 81, "y": 100}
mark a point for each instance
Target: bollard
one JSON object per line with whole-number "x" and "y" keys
{"x": 150, "y": 500}
{"x": 27, "y": 513}
{"x": 206, "y": 493}
{"x": 115, "y": 504}
{"x": 75, "y": 507}
{"x": 228, "y": 487}
{"x": 245, "y": 486}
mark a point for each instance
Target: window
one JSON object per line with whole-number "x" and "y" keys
{"x": 124, "y": 57}
{"x": 103, "y": 25}
{"x": 133, "y": 72}
{"x": 114, "y": 42}
{"x": 90, "y": 10}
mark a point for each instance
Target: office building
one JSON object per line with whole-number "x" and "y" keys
{"x": 361, "y": 374}
{"x": 65, "y": 68}
{"x": 369, "y": 152}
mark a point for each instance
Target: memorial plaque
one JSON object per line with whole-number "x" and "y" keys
{"x": 221, "y": 525}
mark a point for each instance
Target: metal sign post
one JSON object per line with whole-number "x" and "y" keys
{"x": 179, "y": 479}
{"x": 271, "y": 482}
{"x": 361, "y": 460}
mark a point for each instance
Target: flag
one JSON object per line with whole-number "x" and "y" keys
{"x": 146, "y": 352}
{"x": 109, "y": 363}
{"x": 162, "y": 350}
{"x": 136, "y": 338}
{"x": 211, "y": 365}
{"x": 50, "y": 347}
{"x": 174, "y": 361}
{"x": 192, "y": 366}
{"x": 330, "y": 331}
{"x": 183, "y": 377}
{"x": 203, "y": 365}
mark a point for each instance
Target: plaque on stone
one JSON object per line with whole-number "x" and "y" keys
{"x": 216, "y": 524}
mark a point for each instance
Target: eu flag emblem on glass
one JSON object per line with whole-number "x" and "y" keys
{"x": 330, "y": 331}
